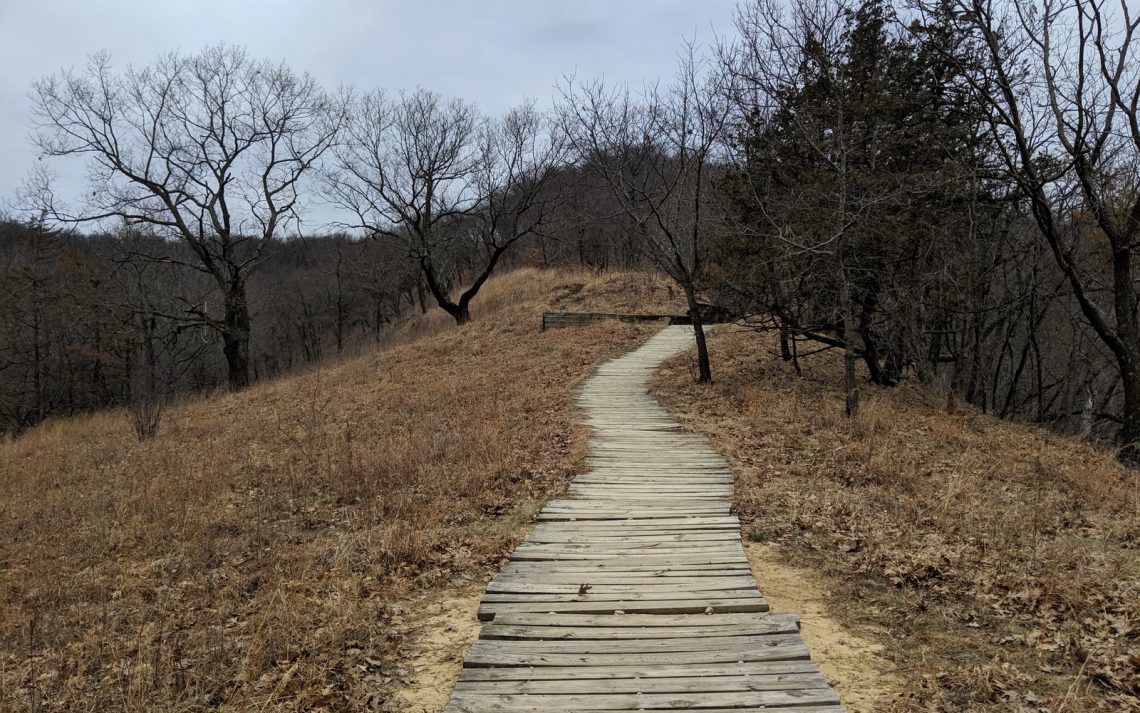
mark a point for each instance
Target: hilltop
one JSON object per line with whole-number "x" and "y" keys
{"x": 263, "y": 549}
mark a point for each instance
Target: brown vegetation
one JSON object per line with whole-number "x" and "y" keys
{"x": 849, "y": 659}
{"x": 632, "y": 293}
{"x": 263, "y": 551}
{"x": 996, "y": 562}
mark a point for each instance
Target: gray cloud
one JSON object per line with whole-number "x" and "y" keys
{"x": 494, "y": 52}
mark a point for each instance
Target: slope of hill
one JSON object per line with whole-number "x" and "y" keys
{"x": 996, "y": 563}
{"x": 264, "y": 550}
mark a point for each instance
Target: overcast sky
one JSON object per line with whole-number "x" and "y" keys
{"x": 494, "y": 52}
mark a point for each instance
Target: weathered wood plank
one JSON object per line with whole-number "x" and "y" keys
{"x": 475, "y": 703}
{"x": 627, "y": 561}
{"x": 486, "y": 647}
{"x": 614, "y": 673}
{"x": 583, "y": 633}
{"x": 686, "y": 684}
{"x": 642, "y": 595}
{"x": 488, "y": 610}
{"x": 524, "y": 707}
{"x": 546, "y": 536}
{"x": 678, "y": 621}
{"x": 625, "y": 565}
{"x": 507, "y": 657}
{"x": 549, "y": 584}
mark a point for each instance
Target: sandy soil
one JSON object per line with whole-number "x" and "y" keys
{"x": 851, "y": 663}
{"x": 444, "y": 627}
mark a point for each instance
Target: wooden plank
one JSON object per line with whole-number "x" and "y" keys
{"x": 585, "y": 542}
{"x": 618, "y": 513}
{"x": 642, "y": 595}
{"x": 578, "y": 550}
{"x": 584, "y": 633}
{"x": 602, "y": 556}
{"x": 615, "y": 673}
{"x": 507, "y": 657}
{"x": 563, "y": 533}
{"x": 549, "y": 584}
{"x": 488, "y": 647}
{"x": 488, "y": 610}
{"x": 571, "y": 585}
{"x": 638, "y": 620}
{"x": 686, "y": 684}
{"x": 476, "y": 703}
{"x": 636, "y": 545}
{"x": 567, "y": 573}
{"x": 524, "y": 707}
{"x": 603, "y": 566}
{"x": 679, "y": 525}
{"x": 547, "y": 536}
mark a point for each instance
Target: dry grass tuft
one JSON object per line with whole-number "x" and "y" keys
{"x": 263, "y": 551}
{"x": 1002, "y": 560}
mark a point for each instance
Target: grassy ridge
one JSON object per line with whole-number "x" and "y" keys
{"x": 252, "y": 555}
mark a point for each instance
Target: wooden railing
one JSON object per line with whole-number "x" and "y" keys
{"x": 552, "y": 320}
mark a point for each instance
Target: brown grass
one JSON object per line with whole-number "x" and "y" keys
{"x": 998, "y": 563}
{"x": 266, "y": 549}
{"x": 638, "y": 293}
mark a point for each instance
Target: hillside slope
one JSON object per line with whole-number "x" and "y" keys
{"x": 264, "y": 550}
{"x": 996, "y": 563}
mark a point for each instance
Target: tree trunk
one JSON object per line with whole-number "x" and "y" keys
{"x": 704, "y": 368}
{"x": 461, "y": 314}
{"x": 1129, "y": 436}
{"x": 882, "y": 375}
{"x": 421, "y": 294}
{"x": 378, "y": 320}
{"x": 235, "y": 336}
{"x": 850, "y": 356}
{"x": 542, "y": 251}
{"x": 461, "y": 311}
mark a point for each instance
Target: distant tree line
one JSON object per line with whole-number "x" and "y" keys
{"x": 92, "y": 319}
{"x": 943, "y": 190}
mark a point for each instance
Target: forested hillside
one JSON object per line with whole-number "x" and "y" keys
{"x": 932, "y": 188}
{"x": 90, "y": 321}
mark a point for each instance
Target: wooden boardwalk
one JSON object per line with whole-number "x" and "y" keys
{"x": 633, "y": 591}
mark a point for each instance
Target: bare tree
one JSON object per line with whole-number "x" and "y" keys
{"x": 1062, "y": 85}
{"x": 519, "y": 157}
{"x": 436, "y": 175}
{"x": 209, "y": 149}
{"x": 656, "y": 155}
{"x": 406, "y": 173}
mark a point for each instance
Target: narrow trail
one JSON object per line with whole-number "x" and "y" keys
{"x": 633, "y": 592}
